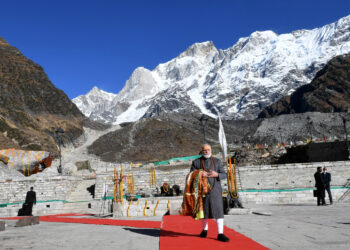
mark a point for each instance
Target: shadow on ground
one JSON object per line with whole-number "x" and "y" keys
{"x": 144, "y": 231}
{"x": 176, "y": 234}
{"x": 157, "y": 232}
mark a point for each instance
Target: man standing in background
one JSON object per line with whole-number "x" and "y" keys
{"x": 327, "y": 182}
{"x": 30, "y": 200}
{"x": 320, "y": 187}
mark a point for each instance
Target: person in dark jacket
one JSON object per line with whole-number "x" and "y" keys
{"x": 320, "y": 186}
{"x": 165, "y": 190}
{"x": 212, "y": 202}
{"x": 30, "y": 200}
{"x": 176, "y": 189}
{"x": 327, "y": 182}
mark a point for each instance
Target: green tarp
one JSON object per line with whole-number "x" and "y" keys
{"x": 185, "y": 158}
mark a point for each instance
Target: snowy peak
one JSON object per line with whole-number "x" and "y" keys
{"x": 238, "y": 82}
{"x": 140, "y": 84}
{"x": 343, "y": 22}
{"x": 260, "y": 37}
{"x": 95, "y": 92}
{"x": 200, "y": 50}
{"x": 94, "y": 101}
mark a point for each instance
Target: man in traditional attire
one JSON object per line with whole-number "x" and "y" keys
{"x": 212, "y": 202}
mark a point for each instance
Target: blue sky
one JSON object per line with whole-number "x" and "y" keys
{"x": 82, "y": 44}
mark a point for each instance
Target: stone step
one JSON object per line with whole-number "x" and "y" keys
{"x": 79, "y": 201}
{"x": 80, "y": 193}
{"x": 73, "y": 205}
{"x": 80, "y": 211}
{"x": 79, "y": 197}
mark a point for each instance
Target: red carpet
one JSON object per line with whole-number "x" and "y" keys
{"x": 66, "y": 219}
{"x": 20, "y": 217}
{"x": 177, "y": 232}
{"x": 128, "y": 223}
{"x": 181, "y": 232}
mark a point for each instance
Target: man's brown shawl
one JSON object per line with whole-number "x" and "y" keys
{"x": 197, "y": 186}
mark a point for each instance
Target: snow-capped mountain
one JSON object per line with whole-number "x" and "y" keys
{"x": 237, "y": 82}
{"x": 96, "y": 104}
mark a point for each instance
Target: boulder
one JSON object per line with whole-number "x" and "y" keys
{"x": 81, "y": 165}
{"x": 69, "y": 169}
{"x": 27, "y": 162}
{"x": 4, "y": 159}
{"x": 27, "y": 220}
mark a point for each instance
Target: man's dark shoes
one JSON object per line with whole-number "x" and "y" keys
{"x": 223, "y": 238}
{"x": 203, "y": 234}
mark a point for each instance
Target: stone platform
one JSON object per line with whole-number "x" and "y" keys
{"x": 146, "y": 207}
{"x": 302, "y": 226}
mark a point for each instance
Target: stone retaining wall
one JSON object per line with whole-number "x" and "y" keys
{"x": 289, "y": 183}
{"x": 288, "y": 197}
{"x": 267, "y": 180}
{"x": 50, "y": 194}
{"x": 291, "y": 176}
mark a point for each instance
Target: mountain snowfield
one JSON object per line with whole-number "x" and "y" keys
{"x": 236, "y": 83}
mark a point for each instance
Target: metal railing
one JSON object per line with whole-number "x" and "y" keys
{"x": 347, "y": 192}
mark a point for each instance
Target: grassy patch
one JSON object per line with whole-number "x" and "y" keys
{"x": 23, "y": 119}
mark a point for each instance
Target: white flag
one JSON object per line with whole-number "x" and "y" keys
{"x": 222, "y": 139}
{"x": 105, "y": 190}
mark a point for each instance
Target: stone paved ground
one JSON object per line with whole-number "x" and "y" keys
{"x": 303, "y": 226}
{"x": 52, "y": 236}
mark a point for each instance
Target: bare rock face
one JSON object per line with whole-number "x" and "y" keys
{"x": 175, "y": 101}
{"x": 147, "y": 140}
{"x": 328, "y": 92}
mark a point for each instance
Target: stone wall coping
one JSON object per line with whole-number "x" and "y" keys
{"x": 46, "y": 179}
{"x": 293, "y": 166}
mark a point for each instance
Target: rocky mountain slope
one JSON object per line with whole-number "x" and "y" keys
{"x": 177, "y": 135}
{"x": 328, "y": 92}
{"x": 164, "y": 137}
{"x": 31, "y": 107}
{"x": 238, "y": 82}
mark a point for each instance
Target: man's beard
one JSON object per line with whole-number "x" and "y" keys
{"x": 206, "y": 156}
